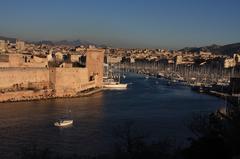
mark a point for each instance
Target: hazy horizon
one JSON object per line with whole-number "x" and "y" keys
{"x": 123, "y": 24}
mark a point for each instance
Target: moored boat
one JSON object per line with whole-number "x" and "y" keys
{"x": 63, "y": 123}
{"x": 115, "y": 85}
{"x": 112, "y": 84}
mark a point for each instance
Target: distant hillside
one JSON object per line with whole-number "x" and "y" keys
{"x": 74, "y": 42}
{"x": 44, "y": 42}
{"x": 12, "y": 40}
{"x": 61, "y": 42}
{"x": 229, "y": 49}
{"x": 69, "y": 43}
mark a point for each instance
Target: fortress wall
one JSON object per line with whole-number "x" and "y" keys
{"x": 16, "y": 60}
{"x": 22, "y": 76}
{"x": 35, "y": 64}
{"x": 68, "y": 81}
{"x": 4, "y": 64}
{"x": 64, "y": 79}
{"x": 40, "y": 83}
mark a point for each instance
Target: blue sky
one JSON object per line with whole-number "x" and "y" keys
{"x": 124, "y": 23}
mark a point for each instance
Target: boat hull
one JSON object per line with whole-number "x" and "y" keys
{"x": 116, "y": 86}
{"x": 63, "y": 124}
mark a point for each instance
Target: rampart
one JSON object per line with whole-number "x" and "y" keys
{"x": 37, "y": 83}
{"x": 34, "y": 82}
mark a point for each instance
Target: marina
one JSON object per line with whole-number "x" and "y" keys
{"x": 208, "y": 80}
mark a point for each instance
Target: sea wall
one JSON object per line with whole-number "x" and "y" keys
{"x": 26, "y": 95}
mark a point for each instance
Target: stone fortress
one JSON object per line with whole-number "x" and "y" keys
{"x": 25, "y": 76}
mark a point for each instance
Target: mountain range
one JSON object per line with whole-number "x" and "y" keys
{"x": 65, "y": 42}
{"x": 228, "y": 49}
{"x": 61, "y": 42}
{"x": 8, "y": 39}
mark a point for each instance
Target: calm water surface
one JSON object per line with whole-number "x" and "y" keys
{"x": 155, "y": 107}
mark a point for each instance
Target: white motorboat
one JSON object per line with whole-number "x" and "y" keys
{"x": 63, "y": 123}
{"x": 115, "y": 85}
{"x": 111, "y": 84}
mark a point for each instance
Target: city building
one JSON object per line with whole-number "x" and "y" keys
{"x": 3, "y": 45}
{"x": 20, "y": 45}
{"x": 114, "y": 60}
{"x": 205, "y": 55}
{"x": 229, "y": 62}
{"x": 179, "y": 60}
{"x": 237, "y": 58}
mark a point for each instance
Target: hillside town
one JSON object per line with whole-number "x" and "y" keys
{"x": 172, "y": 57}
{"x": 59, "y": 53}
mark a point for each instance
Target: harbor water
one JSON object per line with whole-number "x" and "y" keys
{"x": 155, "y": 107}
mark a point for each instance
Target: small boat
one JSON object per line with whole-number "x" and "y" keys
{"x": 198, "y": 87}
{"x": 111, "y": 84}
{"x": 116, "y": 86}
{"x": 63, "y": 123}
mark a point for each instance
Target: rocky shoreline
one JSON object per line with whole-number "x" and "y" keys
{"x": 30, "y": 95}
